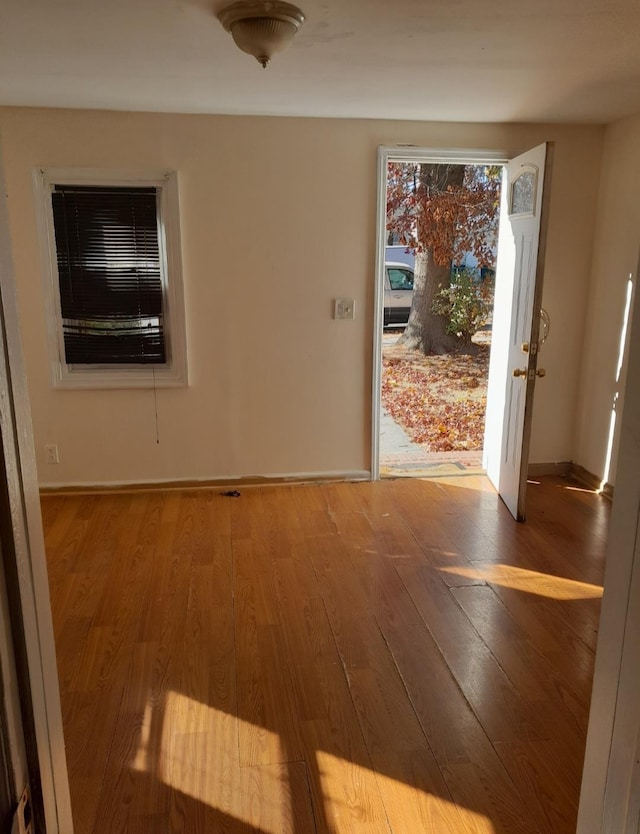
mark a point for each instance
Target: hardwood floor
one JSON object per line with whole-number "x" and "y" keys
{"x": 395, "y": 657}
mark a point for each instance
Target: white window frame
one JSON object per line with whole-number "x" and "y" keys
{"x": 172, "y": 374}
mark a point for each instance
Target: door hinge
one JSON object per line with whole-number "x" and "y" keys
{"x": 23, "y": 818}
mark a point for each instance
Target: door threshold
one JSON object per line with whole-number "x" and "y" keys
{"x": 435, "y": 469}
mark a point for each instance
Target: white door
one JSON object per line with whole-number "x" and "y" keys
{"x": 514, "y": 350}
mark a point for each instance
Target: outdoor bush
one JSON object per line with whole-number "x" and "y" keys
{"x": 467, "y": 302}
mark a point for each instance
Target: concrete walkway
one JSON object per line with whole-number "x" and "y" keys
{"x": 393, "y": 437}
{"x": 400, "y": 456}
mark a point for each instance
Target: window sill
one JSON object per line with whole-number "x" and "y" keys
{"x": 97, "y": 378}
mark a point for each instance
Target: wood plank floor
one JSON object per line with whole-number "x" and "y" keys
{"x": 395, "y": 657}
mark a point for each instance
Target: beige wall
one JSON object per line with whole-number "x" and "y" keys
{"x": 278, "y": 218}
{"x": 616, "y": 250}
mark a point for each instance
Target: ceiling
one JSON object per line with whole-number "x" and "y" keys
{"x": 436, "y": 60}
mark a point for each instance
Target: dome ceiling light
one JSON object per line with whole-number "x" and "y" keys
{"x": 261, "y": 28}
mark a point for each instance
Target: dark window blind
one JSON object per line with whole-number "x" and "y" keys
{"x": 109, "y": 273}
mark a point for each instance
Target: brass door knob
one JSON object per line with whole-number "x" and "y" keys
{"x": 541, "y": 372}
{"x": 519, "y": 371}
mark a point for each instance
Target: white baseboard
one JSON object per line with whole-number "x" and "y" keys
{"x": 571, "y": 470}
{"x": 204, "y": 483}
{"x": 560, "y": 468}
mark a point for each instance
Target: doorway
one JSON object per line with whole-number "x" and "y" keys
{"x": 513, "y": 372}
{"x": 432, "y": 362}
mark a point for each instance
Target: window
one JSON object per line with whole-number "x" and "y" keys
{"x": 114, "y": 288}
{"x": 523, "y": 194}
{"x": 400, "y": 279}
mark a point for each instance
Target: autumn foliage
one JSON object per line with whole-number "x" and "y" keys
{"x": 440, "y": 401}
{"x": 449, "y": 209}
{"x": 442, "y": 213}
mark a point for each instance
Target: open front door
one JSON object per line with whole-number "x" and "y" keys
{"x": 514, "y": 350}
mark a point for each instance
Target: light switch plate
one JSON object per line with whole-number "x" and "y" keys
{"x": 344, "y": 308}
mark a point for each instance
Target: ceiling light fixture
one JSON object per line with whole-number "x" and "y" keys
{"x": 261, "y": 28}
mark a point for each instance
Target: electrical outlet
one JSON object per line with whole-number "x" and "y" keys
{"x": 51, "y": 454}
{"x": 344, "y": 308}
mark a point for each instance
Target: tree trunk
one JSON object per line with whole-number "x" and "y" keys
{"x": 426, "y": 331}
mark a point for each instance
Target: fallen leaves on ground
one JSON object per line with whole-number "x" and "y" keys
{"x": 440, "y": 401}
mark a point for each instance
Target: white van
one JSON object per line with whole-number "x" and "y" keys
{"x": 398, "y": 293}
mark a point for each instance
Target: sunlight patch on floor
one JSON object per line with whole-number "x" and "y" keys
{"x": 477, "y": 483}
{"x": 530, "y": 581}
{"x": 349, "y": 792}
{"x": 193, "y": 748}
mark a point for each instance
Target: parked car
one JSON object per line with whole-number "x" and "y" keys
{"x": 398, "y": 293}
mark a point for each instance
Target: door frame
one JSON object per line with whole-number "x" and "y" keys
{"x": 404, "y": 153}
{"x": 610, "y": 792}
{"x": 36, "y": 675}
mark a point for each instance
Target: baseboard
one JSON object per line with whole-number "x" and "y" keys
{"x": 590, "y": 481}
{"x": 206, "y": 483}
{"x": 559, "y": 468}
{"x": 569, "y": 469}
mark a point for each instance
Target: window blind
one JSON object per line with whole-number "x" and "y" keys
{"x": 109, "y": 272}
